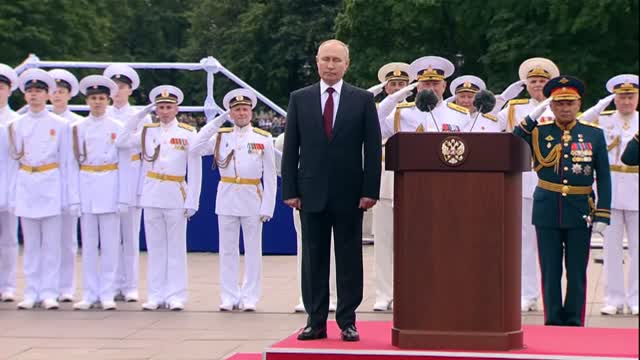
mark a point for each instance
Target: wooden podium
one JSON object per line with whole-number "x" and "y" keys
{"x": 457, "y": 233}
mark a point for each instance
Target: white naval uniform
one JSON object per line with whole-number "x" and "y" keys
{"x": 241, "y": 205}
{"x": 484, "y": 123}
{"x": 100, "y": 221}
{"x": 166, "y": 195}
{"x": 406, "y": 117}
{"x": 8, "y": 221}
{"x": 39, "y": 193}
{"x": 128, "y": 255}
{"x": 69, "y": 248}
{"x": 619, "y": 131}
{"x": 509, "y": 117}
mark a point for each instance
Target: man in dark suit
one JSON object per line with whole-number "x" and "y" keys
{"x": 331, "y": 167}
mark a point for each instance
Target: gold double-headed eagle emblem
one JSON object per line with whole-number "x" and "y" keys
{"x": 453, "y": 151}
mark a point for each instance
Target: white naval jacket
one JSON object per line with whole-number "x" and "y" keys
{"x": 97, "y": 181}
{"x": 41, "y": 153}
{"x": 618, "y": 132}
{"x": 483, "y": 123}
{"x": 253, "y": 158}
{"x": 4, "y": 168}
{"x": 511, "y": 116}
{"x": 7, "y": 115}
{"x": 135, "y": 178}
{"x": 173, "y": 179}
{"x": 406, "y": 117}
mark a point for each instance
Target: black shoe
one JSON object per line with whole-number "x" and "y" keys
{"x": 310, "y": 333}
{"x": 350, "y": 334}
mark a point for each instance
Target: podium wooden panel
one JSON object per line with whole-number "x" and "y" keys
{"x": 457, "y": 241}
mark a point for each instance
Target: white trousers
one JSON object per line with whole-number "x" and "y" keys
{"x": 41, "y": 260}
{"x": 530, "y": 270}
{"x": 99, "y": 265}
{"x": 129, "y": 251}
{"x": 8, "y": 251}
{"x": 166, "y": 235}
{"x": 250, "y": 291}
{"x": 333, "y": 297}
{"x": 68, "y": 253}
{"x": 383, "y": 249}
{"x": 621, "y": 221}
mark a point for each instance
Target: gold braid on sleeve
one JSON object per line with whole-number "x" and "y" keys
{"x": 222, "y": 164}
{"x": 156, "y": 151}
{"x": 552, "y": 159}
{"x": 80, "y": 157}
{"x": 13, "y": 151}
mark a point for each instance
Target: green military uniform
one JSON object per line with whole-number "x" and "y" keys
{"x": 566, "y": 158}
{"x": 630, "y": 155}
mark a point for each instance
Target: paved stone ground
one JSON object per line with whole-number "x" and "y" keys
{"x": 200, "y": 332}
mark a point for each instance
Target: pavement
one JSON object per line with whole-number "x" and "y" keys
{"x": 200, "y": 331}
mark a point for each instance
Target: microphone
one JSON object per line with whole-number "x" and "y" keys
{"x": 484, "y": 101}
{"x": 426, "y": 100}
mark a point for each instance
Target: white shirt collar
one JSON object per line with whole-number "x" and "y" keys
{"x": 337, "y": 87}
{"x": 243, "y": 130}
{"x": 97, "y": 118}
{"x": 170, "y": 124}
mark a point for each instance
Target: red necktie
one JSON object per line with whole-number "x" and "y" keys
{"x": 327, "y": 116}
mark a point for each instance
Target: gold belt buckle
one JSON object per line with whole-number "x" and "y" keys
{"x": 237, "y": 179}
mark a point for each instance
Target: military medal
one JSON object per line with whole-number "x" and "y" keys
{"x": 580, "y": 139}
{"x": 587, "y": 170}
{"x": 548, "y": 145}
{"x": 113, "y": 137}
{"x": 52, "y": 132}
{"x": 577, "y": 169}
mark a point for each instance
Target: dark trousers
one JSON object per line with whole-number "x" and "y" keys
{"x": 572, "y": 246}
{"x": 316, "y": 247}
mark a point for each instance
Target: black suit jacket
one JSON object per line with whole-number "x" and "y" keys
{"x": 331, "y": 173}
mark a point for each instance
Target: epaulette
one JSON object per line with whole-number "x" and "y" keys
{"x": 186, "y": 126}
{"x": 607, "y": 112}
{"x": 518, "y": 101}
{"x": 547, "y": 123}
{"x": 225, "y": 130}
{"x": 458, "y": 108}
{"x": 406, "y": 104}
{"x": 490, "y": 117}
{"x": 261, "y": 132}
{"x": 151, "y": 125}
{"x": 589, "y": 124}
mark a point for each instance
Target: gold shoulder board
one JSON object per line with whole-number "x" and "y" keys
{"x": 458, "y": 108}
{"x": 607, "y": 113}
{"x": 151, "y": 125}
{"x": 261, "y": 132}
{"x": 490, "y": 117}
{"x": 518, "y": 101}
{"x": 405, "y": 104}
{"x": 186, "y": 126}
{"x": 225, "y": 130}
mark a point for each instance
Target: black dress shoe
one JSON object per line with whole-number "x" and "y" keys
{"x": 310, "y": 333}
{"x": 350, "y": 334}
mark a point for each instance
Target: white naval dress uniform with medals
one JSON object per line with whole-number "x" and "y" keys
{"x": 508, "y": 118}
{"x": 170, "y": 195}
{"x": 40, "y": 148}
{"x": 619, "y": 129}
{"x": 128, "y": 258}
{"x": 8, "y": 221}
{"x": 244, "y": 156}
{"x": 69, "y": 248}
{"x": 383, "y": 210}
{"x": 98, "y": 185}
{"x": 478, "y": 122}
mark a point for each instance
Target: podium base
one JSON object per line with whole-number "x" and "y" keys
{"x": 408, "y": 339}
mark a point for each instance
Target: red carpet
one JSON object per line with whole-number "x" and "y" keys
{"x": 541, "y": 342}
{"x": 245, "y": 356}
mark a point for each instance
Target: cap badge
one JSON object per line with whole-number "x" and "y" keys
{"x": 563, "y": 81}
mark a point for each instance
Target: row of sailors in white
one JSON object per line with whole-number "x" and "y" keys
{"x": 459, "y": 114}
{"x": 95, "y": 153}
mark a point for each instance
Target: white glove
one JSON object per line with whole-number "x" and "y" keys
{"x": 265, "y": 218}
{"x": 594, "y": 112}
{"x": 403, "y": 93}
{"x": 377, "y": 89}
{"x": 220, "y": 119}
{"x": 598, "y": 227}
{"x": 537, "y": 112}
{"x": 132, "y": 123}
{"x": 123, "y": 208}
{"x": 74, "y": 210}
{"x": 189, "y": 212}
{"x": 209, "y": 112}
{"x": 512, "y": 90}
